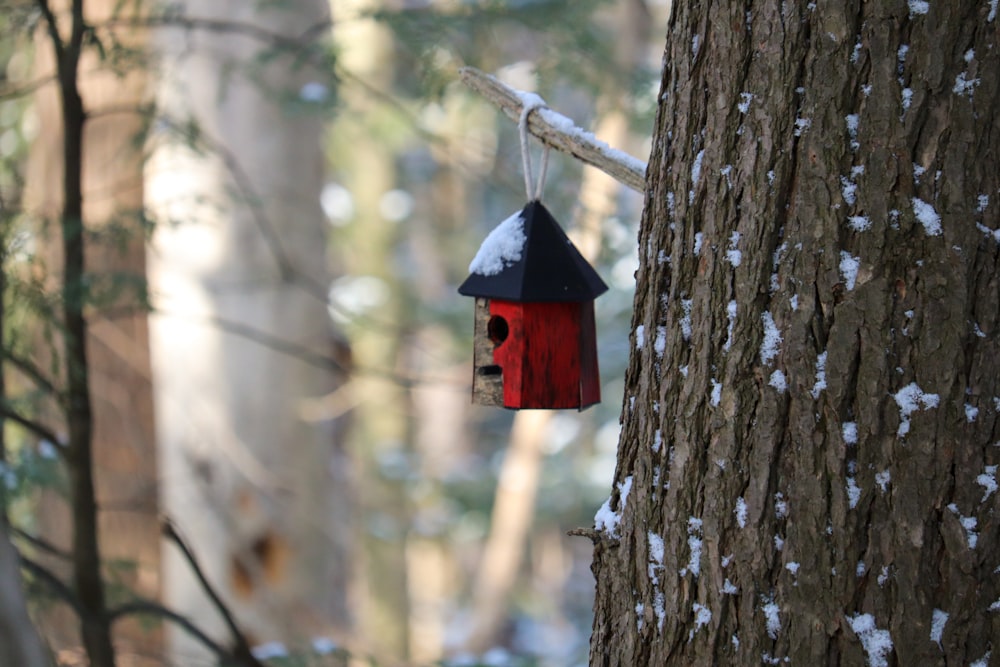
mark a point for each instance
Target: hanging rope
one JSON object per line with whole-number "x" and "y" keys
{"x": 533, "y": 102}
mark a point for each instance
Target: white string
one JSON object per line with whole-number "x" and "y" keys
{"x": 522, "y": 126}
{"x": 541, "y": 172}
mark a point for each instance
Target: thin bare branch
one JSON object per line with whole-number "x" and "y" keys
{"x": 293, "y": 43}
{"x": 52, "y": 26}
{"x": 54, "y": 583}
{"x": 32, "y": 372}
{"x": 151, "y": 608}
{"x": 26, "y": 88}
{"x": 39, "y": 543}
{"x": 31, "y": 425}
{"x": 558, "y": 131}
{"x": 241, "y": 644}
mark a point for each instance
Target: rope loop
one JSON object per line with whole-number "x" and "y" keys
{"x": 530, "y": 103}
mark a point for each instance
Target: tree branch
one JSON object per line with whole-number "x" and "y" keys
{"x": 241, "y": 645}
{"x": 32, "y": 372}
{"x": 558, "y": 131}
{"x": 39, "y": 543}
{"x": 292, "y": 43}
{"x": 31, "y": 425}
{"x": 141, "y": 606}
{"x": 62, "y": 591}
{"x": 52, "y": 26}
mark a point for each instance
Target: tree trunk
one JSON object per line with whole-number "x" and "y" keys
{"x": 807, "y": 467}
{"x": 241, "y": 338}
{"x": 124, "y": 459}
{"x": 19, "y": 641}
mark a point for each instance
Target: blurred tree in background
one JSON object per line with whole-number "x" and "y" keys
{"x": 334, "y": 482}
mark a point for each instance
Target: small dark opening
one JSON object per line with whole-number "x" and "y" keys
{"x": 490, "y": 370}
{"x": 497, "y": 329}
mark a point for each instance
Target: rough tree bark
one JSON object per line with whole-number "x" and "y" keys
{"x": 807, "y": 465}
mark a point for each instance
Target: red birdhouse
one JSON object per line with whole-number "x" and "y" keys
{"x": 535, "y": 338}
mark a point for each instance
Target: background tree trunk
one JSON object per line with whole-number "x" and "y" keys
{"x": 807, "y": 467}
{"x": 124, "y": 457}
{"x": 19, "y": 642}
{"x": 241, "y": 336}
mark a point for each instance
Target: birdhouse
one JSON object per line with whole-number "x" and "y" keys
{"x": 535, "y": 339}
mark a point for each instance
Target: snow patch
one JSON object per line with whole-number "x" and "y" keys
{"x": 969, "y": 523}
{"x": 907, "y": 98}
{"x": 741, "y": 512}
{"x": 910, "y": 399}
{"x": 938, "y": 620}
{"x": 985, "y": 660}
{"x": 772, "y": 617}
{"x": 848, "y": 190}
{"x": 660, "y": 344}
{"x": 820, "y": 384}
{"x": 696, "y": 168}
{"x": 882, "y": 479}
{"x": 731, "y": 317}
{"x": 859, "y": 223}
{"x": 640, "y": 336}
{"x": 849, "y": 269}
{"x": 716, "y": 397}
{"x": 778, "y": 381}
{"x": 606, "y": 519}
{"x": 853, "y": 493}
{"x": 988, "y": 480}
{"x": 852, "y": 121}
{"x": 501, "y": 248}
{"x": 694, "y": 544}
{"x": 849, "y": 431}
{"x": 964, "y": 86}
{"x": 780, "y": 506}
{"x": 876, "y": 643}
{"x": 772, "y": 339}
{"x": 927, "y": 216}
{"x": 686, "y": 319}
{"x": 918, "y": 7}
{"x": 702, "y": 617}
{"x": 733, "y": 254}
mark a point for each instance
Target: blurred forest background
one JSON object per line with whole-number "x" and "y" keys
{"x": 280, "y": 198}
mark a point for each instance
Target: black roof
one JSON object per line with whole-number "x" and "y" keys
{"x": 550, "y": 268}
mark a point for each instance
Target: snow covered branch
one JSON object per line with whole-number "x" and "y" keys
{"x": 558, "y": 131}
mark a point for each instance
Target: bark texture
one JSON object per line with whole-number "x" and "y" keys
{"x": 808, "y": 456}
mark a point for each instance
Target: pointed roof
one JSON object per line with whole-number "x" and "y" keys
{"x": 530, "y": 258}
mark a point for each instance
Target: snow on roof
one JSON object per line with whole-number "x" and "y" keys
{"x": 501, "y": 248}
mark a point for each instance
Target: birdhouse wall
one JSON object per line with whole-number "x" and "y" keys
{"x": 590, "y": 375}
{"x": 535, "y": 355}
{"x": 487, "y": 380}
{"x": 541, "y": 356}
